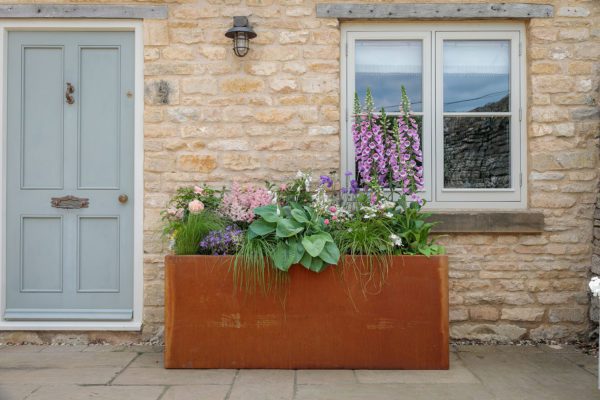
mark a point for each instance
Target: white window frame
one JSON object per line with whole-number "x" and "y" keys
{"x": 432, "y": 35}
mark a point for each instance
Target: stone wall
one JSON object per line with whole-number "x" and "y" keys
{"x": 213, "y": 117}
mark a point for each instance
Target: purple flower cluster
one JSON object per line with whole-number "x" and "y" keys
{"x": 326, "y": 181}
{"x": 390, "y": 158}
{"x": 221, "y": 242}
{"x": 370, "y": 149}
{"x": 354, "y": 188}
{"x": 408, "y": 169}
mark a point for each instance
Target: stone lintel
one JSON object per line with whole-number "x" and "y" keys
{"x": 435, "y": 11}
{"x": 83, "y": 11}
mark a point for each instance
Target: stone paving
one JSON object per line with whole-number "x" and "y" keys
{"x": 136, "y": 372}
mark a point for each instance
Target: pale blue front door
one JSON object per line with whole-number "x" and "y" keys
{"x": 69, "y": 133}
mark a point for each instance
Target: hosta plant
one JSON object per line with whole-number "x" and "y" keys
{"x": 299, "y": 234}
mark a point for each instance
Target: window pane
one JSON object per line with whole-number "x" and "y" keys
{"x": 476, "y": 75}
{"x": 477, "y": 152}
{"x": 386, "y": 65}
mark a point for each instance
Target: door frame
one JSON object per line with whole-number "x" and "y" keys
{"x": 135, "y": 26}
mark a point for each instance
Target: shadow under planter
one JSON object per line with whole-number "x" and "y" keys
{"x": 325, "y": 321}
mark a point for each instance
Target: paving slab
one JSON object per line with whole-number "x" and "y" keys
{"x": 16, "y": 392}
{"x": 23, "y": 349}
{"x": 148, "y": 360}
{"x": 21, "y": 360}
{"x": 52, "y": 376}
{"x": 394, "y": 392}
{"x": 263, "y": 385}
{"x": 324, "y": 376}
{"x": 136, "y": 372}
{"x": 64, "y": 348}
{"x": 585, "y": 361}
{"x": 197, "y": 392}
{"x": 105, "y": 348}
{"x": 457, "y": 373}
{"x": 74, "y": 392}
{"x": 532, "y": 376}
{"x": 142, "y": 348}
{"x": 160, "y": 376}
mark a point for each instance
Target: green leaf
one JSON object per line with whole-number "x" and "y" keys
{"x": 287, "y": 228}
{"x": 317, "y": 265}
{"x": 269, "y": 213}
{"x": 251, "y": 234}
{"x": 306, "y": 260}
{"x": 312, "y": 263}
{"x": 298, "y": 249}
{"x": 286, "y": 211}
{"x": 296, "y": 205}
{"x": 313, "y": 244}
{"x": 283, "y": 256}
{"x": 262, "y": 227}
{"x": 310, "y": 212}
{"x": 324, "y": 235}
{"x": 330, "y": 253}
{"x": 299, "y": 216}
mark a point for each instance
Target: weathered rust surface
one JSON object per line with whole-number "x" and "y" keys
{"x": 325, "y": 322}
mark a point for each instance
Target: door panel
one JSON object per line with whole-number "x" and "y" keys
{"x": 41, "y": 254}
{"x": 66, "y": 264}
{"x": 42, "y": 136}
{"x": 98, "y": 254}
{"x": 99, "y": 125}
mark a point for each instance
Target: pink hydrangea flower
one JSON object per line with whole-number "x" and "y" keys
{"x": 240, "y": 202}
{"x": 195, "y": 206}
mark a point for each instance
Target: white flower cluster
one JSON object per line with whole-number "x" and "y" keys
{"x": 385, "y": 207}
{"x": 396, "y": 240}
{"x": 595, "y": 286}
{"x": 320, "y": 200}
{"x": 307, "y": 176}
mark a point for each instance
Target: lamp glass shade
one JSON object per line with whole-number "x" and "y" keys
{"x": 241, "y": 44}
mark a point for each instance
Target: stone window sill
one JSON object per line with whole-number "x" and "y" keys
{"x": 488, "y": 221}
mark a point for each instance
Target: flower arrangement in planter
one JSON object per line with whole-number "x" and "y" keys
{"x": 313, "y": 223}
{"x": 372, "y": 226}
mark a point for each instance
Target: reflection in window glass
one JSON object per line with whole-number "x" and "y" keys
{"x": 476, "y": 75}
{"x": 477, "y": 152}
{"x": 386, "y": 65}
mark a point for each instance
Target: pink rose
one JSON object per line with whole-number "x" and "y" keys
{"x": 198, "y": 190}
{"x": 326, "y": 222}
{"x": 334, "y": 217}
{"x": 195, "y": 206}
{"x": 332, "y": 209}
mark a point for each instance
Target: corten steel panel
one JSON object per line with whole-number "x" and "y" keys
{"x": 325, "y": 321}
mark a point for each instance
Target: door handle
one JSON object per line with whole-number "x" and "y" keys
{"x": 123, "y": 198}
{"x": 69, "y": 93}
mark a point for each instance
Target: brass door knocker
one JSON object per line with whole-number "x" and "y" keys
{"x": 69, "y": 93}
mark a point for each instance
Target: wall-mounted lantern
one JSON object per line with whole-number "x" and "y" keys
{"x": 241, "y": 33}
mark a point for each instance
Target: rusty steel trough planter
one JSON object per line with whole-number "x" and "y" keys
{"x": 326, "y": 321}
